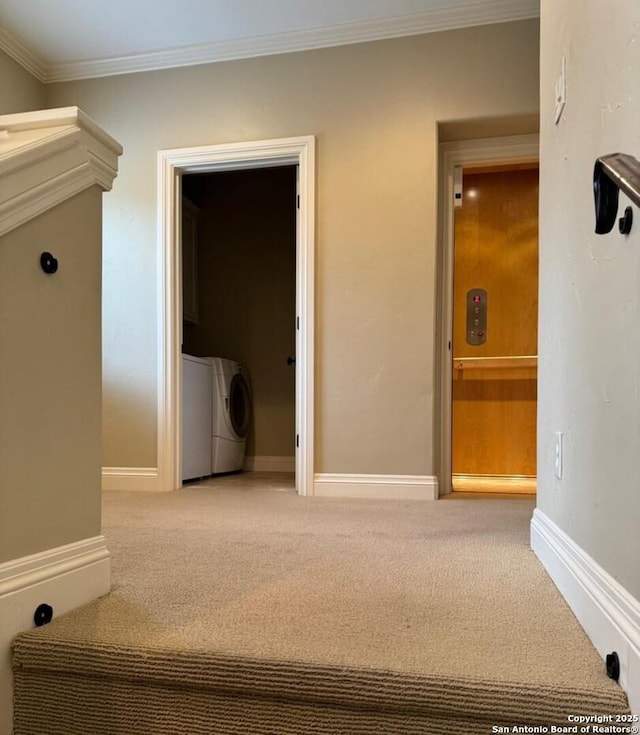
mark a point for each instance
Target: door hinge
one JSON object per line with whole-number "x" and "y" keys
{"x": 297, "y": 441}
{"x": 298, "y": 323}
{"x": 298, "y": 201}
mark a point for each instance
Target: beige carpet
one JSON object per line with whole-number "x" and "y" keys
{"x": 240, "y": 610}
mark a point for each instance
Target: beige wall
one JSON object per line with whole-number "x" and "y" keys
{"x": 246, "y": 291}
{"x": 589, "y": 340}
{"x": 374, "y": 108}
{"x": 19, "y": 90}
{"x": 50, "y": 379}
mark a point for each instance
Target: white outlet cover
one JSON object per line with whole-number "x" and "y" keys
{"x": 561, "y": 92}
{"x": 558, "y": 458}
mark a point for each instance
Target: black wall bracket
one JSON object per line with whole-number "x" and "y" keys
{"x": 625, "y": 223}
{"x": 612, "y": 173}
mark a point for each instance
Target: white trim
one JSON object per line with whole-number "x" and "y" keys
{"x": 481, "y": 12}
{"x": 24, "y": 56}
{"x": 47, "y": 157}
{"x": 381, "y": 487}
{"x": 510, "y": 149}
{"x": 171, "y": 165}
{"x": 65, "y": 578}
{"x": 607, "y": 612}
{"x": 259, "y": 463}
{"x": 130, "y": 478}
{"x": 29, "y": 570}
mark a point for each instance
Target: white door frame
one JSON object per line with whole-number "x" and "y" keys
{"x": 486, "y": 151}
{"x": 172, "y": 164}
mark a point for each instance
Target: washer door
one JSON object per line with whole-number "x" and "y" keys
{"x": 239, "y": 405}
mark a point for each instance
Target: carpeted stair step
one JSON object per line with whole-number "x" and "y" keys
{"x": 65, "y": 687}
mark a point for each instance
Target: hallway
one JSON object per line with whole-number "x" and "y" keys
{"x": 438, "y": 611}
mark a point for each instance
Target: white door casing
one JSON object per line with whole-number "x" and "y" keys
{"x": 172, "y": 164}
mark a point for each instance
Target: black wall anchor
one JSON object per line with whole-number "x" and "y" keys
{"x": 611, "y": 173}
{"x": 48, "y": 263}
{"x": 43, "y": 614}
{"x": 613, "y": 666}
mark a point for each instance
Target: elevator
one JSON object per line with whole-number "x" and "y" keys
{"x": 494, "y": 344}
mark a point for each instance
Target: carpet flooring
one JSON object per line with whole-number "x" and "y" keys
{"x": 240, "y": 607}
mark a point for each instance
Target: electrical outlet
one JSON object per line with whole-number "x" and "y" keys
{"x": 558, "y": 458}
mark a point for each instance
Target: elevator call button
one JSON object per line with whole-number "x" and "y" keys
{"x": 476, "y": 316}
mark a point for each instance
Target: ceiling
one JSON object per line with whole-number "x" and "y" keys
{"x": 59, "y": 40}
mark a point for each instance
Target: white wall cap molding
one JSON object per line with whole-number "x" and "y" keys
{"x": 29, "y": 570}
{"x": 392, "y": 487}
{"x": 48, "y": 156}
{"x": 58, "y": 117}
{"x": 481, "y": 12}
{"x": 609, "y": 614}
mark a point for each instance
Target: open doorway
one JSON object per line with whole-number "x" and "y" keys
{"x": 488, "y": 315}
{"x": 495, "y": 330}
{"x": 239, "y": 313}
{"x": 173, "y": 165}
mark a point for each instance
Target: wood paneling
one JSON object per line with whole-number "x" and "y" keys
{"x": 494, "y": 400}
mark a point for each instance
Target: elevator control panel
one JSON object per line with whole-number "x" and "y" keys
{"x": 476, "y": 316}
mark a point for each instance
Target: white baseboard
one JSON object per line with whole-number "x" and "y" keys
{"x": 607, "y": 612}
{"x": 270, "y": 464}
{"x": 382, "y": 487}
{"x": 65, "y": 578}
{"x": 130, "y": 478}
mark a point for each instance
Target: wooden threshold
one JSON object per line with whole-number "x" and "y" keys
{"x": 520, "y": 484}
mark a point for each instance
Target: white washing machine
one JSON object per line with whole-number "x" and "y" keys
{"x": 231, "y": 416}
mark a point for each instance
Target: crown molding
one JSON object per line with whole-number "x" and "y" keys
{"x": 469, "y": 14}
{"x": 23, "y": 55}
{"x": 47, "y": 157}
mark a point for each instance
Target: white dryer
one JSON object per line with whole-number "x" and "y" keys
{"x": 231, "y": 416}
{"x": 196, "y": 416}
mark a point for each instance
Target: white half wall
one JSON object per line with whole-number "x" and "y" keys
{"x": 607, "y": 612}
{"x": 65, "y": 578}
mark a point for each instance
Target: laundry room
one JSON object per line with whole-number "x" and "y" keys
{"x": 239, "y": 296}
